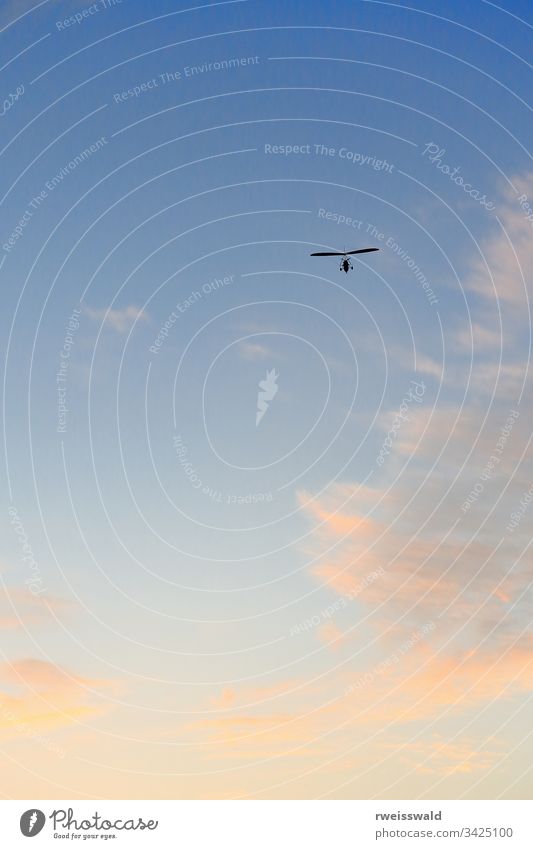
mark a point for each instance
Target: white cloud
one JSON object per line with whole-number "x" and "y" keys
{"x": 254, "y": 351}
{"x": 508, "y": 251}
{"x": 119, "y": 320}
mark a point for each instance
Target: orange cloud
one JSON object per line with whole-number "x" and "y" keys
{"x": 417, "y": 688}
{"x": 425, "y": 685}
{"x": 419, "y": 574}
{"x": 48, "y": 696}
{"x": 225, "y": 699}
{"x": 250, "y": 737}
{"x": 248, "y": 696}
{"x": 441, "y": 758}
{"x": 331, "y": 635}
{"x": 19, "y": 608}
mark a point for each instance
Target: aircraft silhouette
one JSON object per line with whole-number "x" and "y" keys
{"x": 346, "y": 264}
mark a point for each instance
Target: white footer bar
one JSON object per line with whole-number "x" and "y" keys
{"x": 268, "y": 824}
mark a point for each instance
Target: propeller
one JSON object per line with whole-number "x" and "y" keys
{"x": 346, "y": 253}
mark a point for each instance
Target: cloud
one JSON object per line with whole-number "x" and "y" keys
{"x": 232, "y": 696}
{"x": 250, "y": 737}
{"x": 370, "y": 710}
{"x": 407, "y": 360}
{"x": 253, "y": 728}
{"x": 439, "y": 757}
{"x": 429, "y": 366}
{"x": 507, "y": 251}
{"x": 47, "y": 696}
{"x": 119, "y": 320}
{"x": 420, "y": 573}
{"x": 20, "y": 608}
{"x": 225, "y": 699}
{"x": 255, "y": 351}
{"x": 426, "y": 683}
{"x": 331, "y": 635}
{"x": 478, "y": 337}
{"x": 456, "y": 439}
{"x": 506, "y": 380}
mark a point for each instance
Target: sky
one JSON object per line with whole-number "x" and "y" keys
{"x": 266, "y": 525}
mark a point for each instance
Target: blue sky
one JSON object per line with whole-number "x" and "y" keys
{"x": 178, "y": 546}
